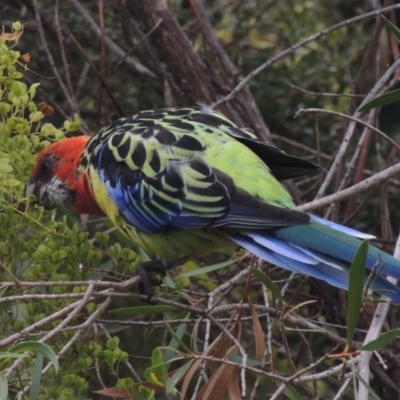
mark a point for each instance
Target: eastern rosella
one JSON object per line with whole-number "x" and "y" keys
{"x": 187, "y": 181}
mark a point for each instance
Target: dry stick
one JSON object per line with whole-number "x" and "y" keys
{"x": 342, "y": 150}
{"x": 115, "y": 285}
{"x": 320, "y": 110}
{"x": 297, "y": 321}
{"x": 70, "y": 309}
{"x": 80, "y": 82}
{"x": 385, "y": 223}
{"x": 325, "y": 374}
{"x": 393, "y": 41}
{"x": 351, "y": 165}
{"x": 296, "y": 379}
{"x": 151, "y": 55}
{"x": 253, "y": 113}
{"x": 97, "y": 367}
{"x": 110, "y": 44}
{"x": 203, "y": 373}
{"x": 20, "y": 335}
{"x": 242, "y": 352}
{"x": 347, "y": 219}
{"x": 362, "y": 155}
{"x": 49, "y": 335}
{"x": 232, "y": 307}
{"x": 367, "y": 59}
{"x": 161, "y": 323}
{"x": 77, "y": 335}
{"x": 226, "y": 308}
{"x": 268, "y": 347}
{"x": 102, "y": 58}
{"x": 324, "y": 94}
{"x": 63, "y": 55}
{"x": 9, "y": 273}
{"x": 136, "y": 45}
{"x": 350, "y": 130}
{"x": 373, "y": 332}
{"x": 103, "y": 83}
{"x": 280, "y": 389}
{"x": 377, "y": 179}
{"x": 67, "y": 94}
{"x": 292, "y": 319}
{"x": 60, "y": 38}
{"x": 210, "y": 307}
{"x": 296, "y": 46}
{"x": 323, "y": 155}
{"x": 343, "y": 388}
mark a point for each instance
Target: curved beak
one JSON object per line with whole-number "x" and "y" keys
{"x": 30, "y": 188}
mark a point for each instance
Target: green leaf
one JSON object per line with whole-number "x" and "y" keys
{"x": 268, "y": 283}
{"x": 157, "y": 374}
{"x": 3, "y": 387}
{"x": 38, "y": 348}
{"x": 176, "y": 341}
{"x": 11, "y": 182}
{"x": 8, "y": 354}
{"x": 36, "y": 377}
{"x": 238, "y": 359}
{"x": 194, "y": 334}
{"x": 143, "y": 310}
{"x": 358, "y": 376}
{"x": 392, "y": 28}
{"x": 177, "y": 376}
{"x": 387, "y": 98}
{"x": 381, "y": 341}
{"x": 210, "y": 268}
{"x": 356, "y": 287}
{"x": 137, "y": 396}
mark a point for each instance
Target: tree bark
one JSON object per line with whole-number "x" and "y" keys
{"x": 196, "y": 81}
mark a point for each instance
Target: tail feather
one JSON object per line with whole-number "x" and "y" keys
{"x": 341, "y": 228}
{"x": 323, "y": 250}
{"x": 340, "y": 246}
{"x": 318, "y": 270}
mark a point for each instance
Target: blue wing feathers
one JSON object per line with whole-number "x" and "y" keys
{"x": 282, "y": 247}
{"x": 321, "y": 250}
{"x": 341, "y": 228}
{"x": 338, "y": 280}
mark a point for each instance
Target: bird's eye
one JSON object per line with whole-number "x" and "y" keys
{"x": 45, "y": 167}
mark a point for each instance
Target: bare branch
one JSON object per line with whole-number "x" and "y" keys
{"x": 110, "y": 44}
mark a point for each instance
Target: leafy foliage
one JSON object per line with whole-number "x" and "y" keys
{"x": 34, "y": 247}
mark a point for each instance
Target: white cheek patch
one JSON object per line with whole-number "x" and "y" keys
{"x": 55, "y": 191}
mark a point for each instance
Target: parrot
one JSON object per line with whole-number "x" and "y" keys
{"x": 186, "y": 181}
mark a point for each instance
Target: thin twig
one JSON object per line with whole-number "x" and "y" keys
{"x": 73, "y": 340}
{"x": 376, "y": 179}
{"x": 50, "y": 57}
{"x": 296, "y": 46}
{"x": 350, "y": 130}
{"x": 110, "y": 44}
{"x": 323, "y": 93}
{"x": 339, "y": 114}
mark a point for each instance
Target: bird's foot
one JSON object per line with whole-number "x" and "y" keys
{"x": 145, "y": 271}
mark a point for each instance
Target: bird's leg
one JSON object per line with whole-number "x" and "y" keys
{"x": 145, "y": 271}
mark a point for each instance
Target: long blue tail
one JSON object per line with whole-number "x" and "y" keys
{"x": 321, "y": 249}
